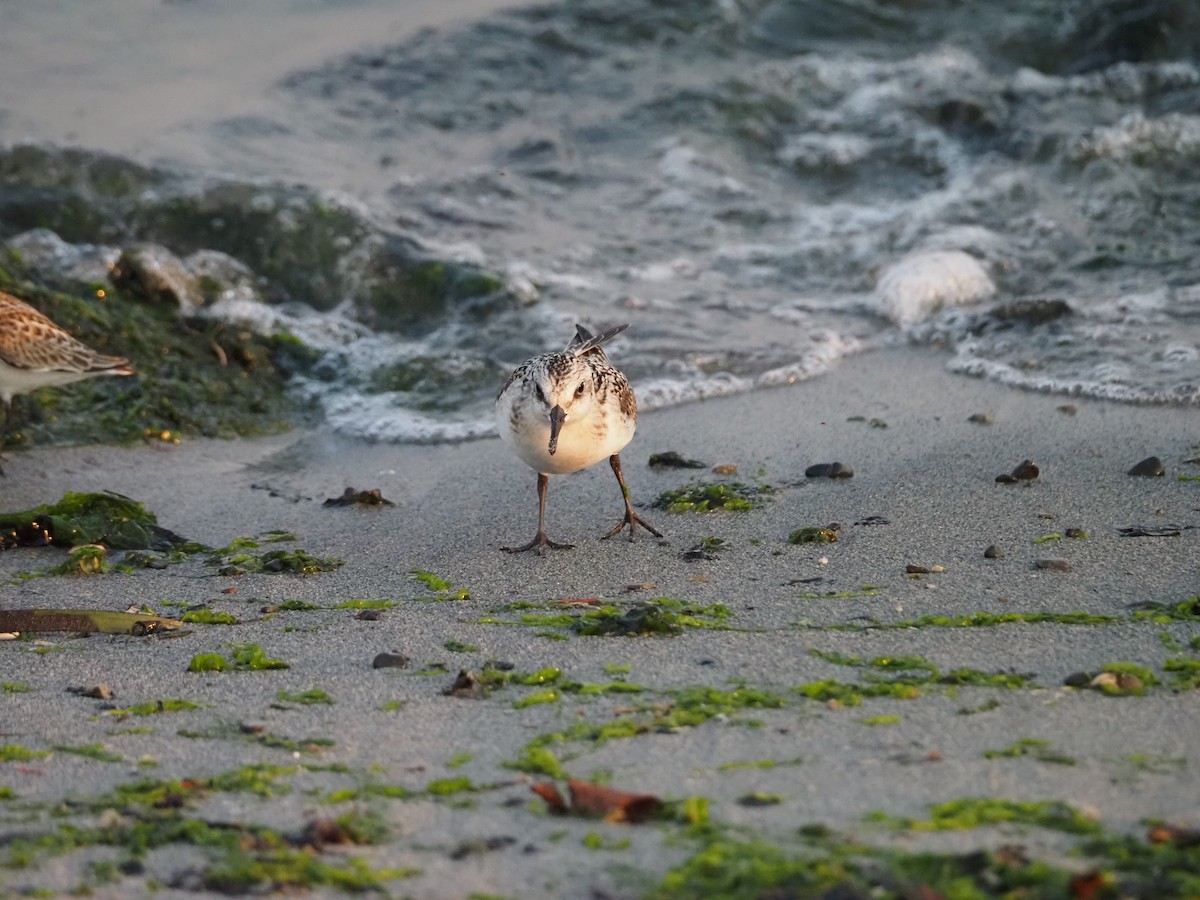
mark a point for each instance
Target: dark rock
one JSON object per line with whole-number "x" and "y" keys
{"x": 1052, "y": 565}
{"x": 1032, "y": 312}
{"x": 390, "y": 661}
{"x": 1068, "y": 409}
{"x": 829, "y": 470}
{"x": 1077, "y": 533}
{"x": 1150, "y": 467}
{"x": 369, "y": 615}
{"x": 981, "y": 418}
{"x": 352, "y": 497}
{"x": 1026, "y": 471}
{"x": 993, "y": 552}
{"x": 467, "y": 685}
{"x": 916, "y": 570}
{"x": 1078, "y": 679}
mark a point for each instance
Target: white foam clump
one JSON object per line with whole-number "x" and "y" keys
{"x": 664, "y": 392}
{"x": 827, "y": 350}
{"x": 927, "y": 281}
{"x": 378, "y": 418}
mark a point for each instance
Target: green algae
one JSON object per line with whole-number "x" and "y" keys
{"x": 92, "y": 751}
{"x": 15, "y": 687}
{"x": 977, "y": 812}
{"x": 90, "y": 559}
{"x": 154, "y": 707}
{"x": 595, "y": 841}
{"x": 829, "y": 690}
{"x": 364, "y": 604}
{"x": 885, "y": 719}
{"x": 737, "y": 867}
{"x": 108, "y": 519}
{"x": 440, "y": 588}
{"x": 987, "y": 620}
{"x": 17, "y": 753}
{"x": 297, "y": 606}
{"x": 658, "y": 616}
{"x": 813, "y": 534}
{"x": 298, "y": 562}
{"x": 707, "y": 496}
{"x": 914, "y": 675}
{"x": 310, "y": 697}
{"x": 1034, "y": 748}
{"x": 207, "y": 616}
{"x": 1185, "y": 672}
{"x": 459, "y": 647}
{"x": 537, "y": 698}
{"x": 244, "y": 657}
{"x": 1162, "y": 614}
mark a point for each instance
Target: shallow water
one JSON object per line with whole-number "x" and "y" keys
{"x": 763, "y": 189}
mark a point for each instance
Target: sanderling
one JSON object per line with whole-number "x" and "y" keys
{"x": 36, "y": 353}
{"x": 562, "y": 412}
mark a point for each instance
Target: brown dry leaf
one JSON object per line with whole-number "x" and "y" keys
{"x": 614, "y": 805}
{"x": 1175, "y": 834}
{"x": 1087, "y": 885}
{"x": 548, "y": 791}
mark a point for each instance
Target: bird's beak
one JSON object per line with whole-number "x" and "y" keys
{"x": 558, "y": 415}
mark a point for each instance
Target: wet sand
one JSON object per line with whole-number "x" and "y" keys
{"x": 930, "y": 474}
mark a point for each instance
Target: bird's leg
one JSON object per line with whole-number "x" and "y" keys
{"x": 540, "y": 542}
{"x": 631, "y": 518}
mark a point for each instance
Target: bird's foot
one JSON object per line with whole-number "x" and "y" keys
{"x": 539, "y": 543}
{"x": 631, "y": 519}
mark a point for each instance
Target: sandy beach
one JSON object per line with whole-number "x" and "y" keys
{"x": 923, "y": 493}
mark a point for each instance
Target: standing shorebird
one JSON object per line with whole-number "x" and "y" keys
{"x": 36, "y": 353}
{"x": 562, "y": 412}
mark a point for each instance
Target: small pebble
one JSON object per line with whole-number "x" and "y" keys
{"x": 981, "y": 418}
{"x": 1052, "y": 565}
{"x": 390, "y": 661}
{"x": 1068, "y": 409}
{"x": 1078, "y": 679}
{"x": 935, "y": 569}
{"x": 1150, "y": 467}
{"x": 725, "y": 469}
{"x": 1026, "y": 471}
{"x": 369, "y": 615}
{"x": 993, "y": 552}
{"x": 916, "y": 570}
{"x": 1076, "y": 533}
{"x": 96, "y": 692}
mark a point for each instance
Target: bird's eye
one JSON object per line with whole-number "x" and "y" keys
{"x": 579, "y": 390}
{"x": 541, "y": 397}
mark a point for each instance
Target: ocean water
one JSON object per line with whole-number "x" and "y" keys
{"x": 764, "y": 190}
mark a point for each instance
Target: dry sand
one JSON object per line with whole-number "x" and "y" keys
{"x": 930, "y": 473}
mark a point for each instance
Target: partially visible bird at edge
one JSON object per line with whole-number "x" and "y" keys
{"x": 36, "y": 353}
{"x": 562, "y": 412}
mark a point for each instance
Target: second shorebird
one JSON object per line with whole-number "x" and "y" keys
{"x": 562, "y": 412}
{"x": 36, "y": 353}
